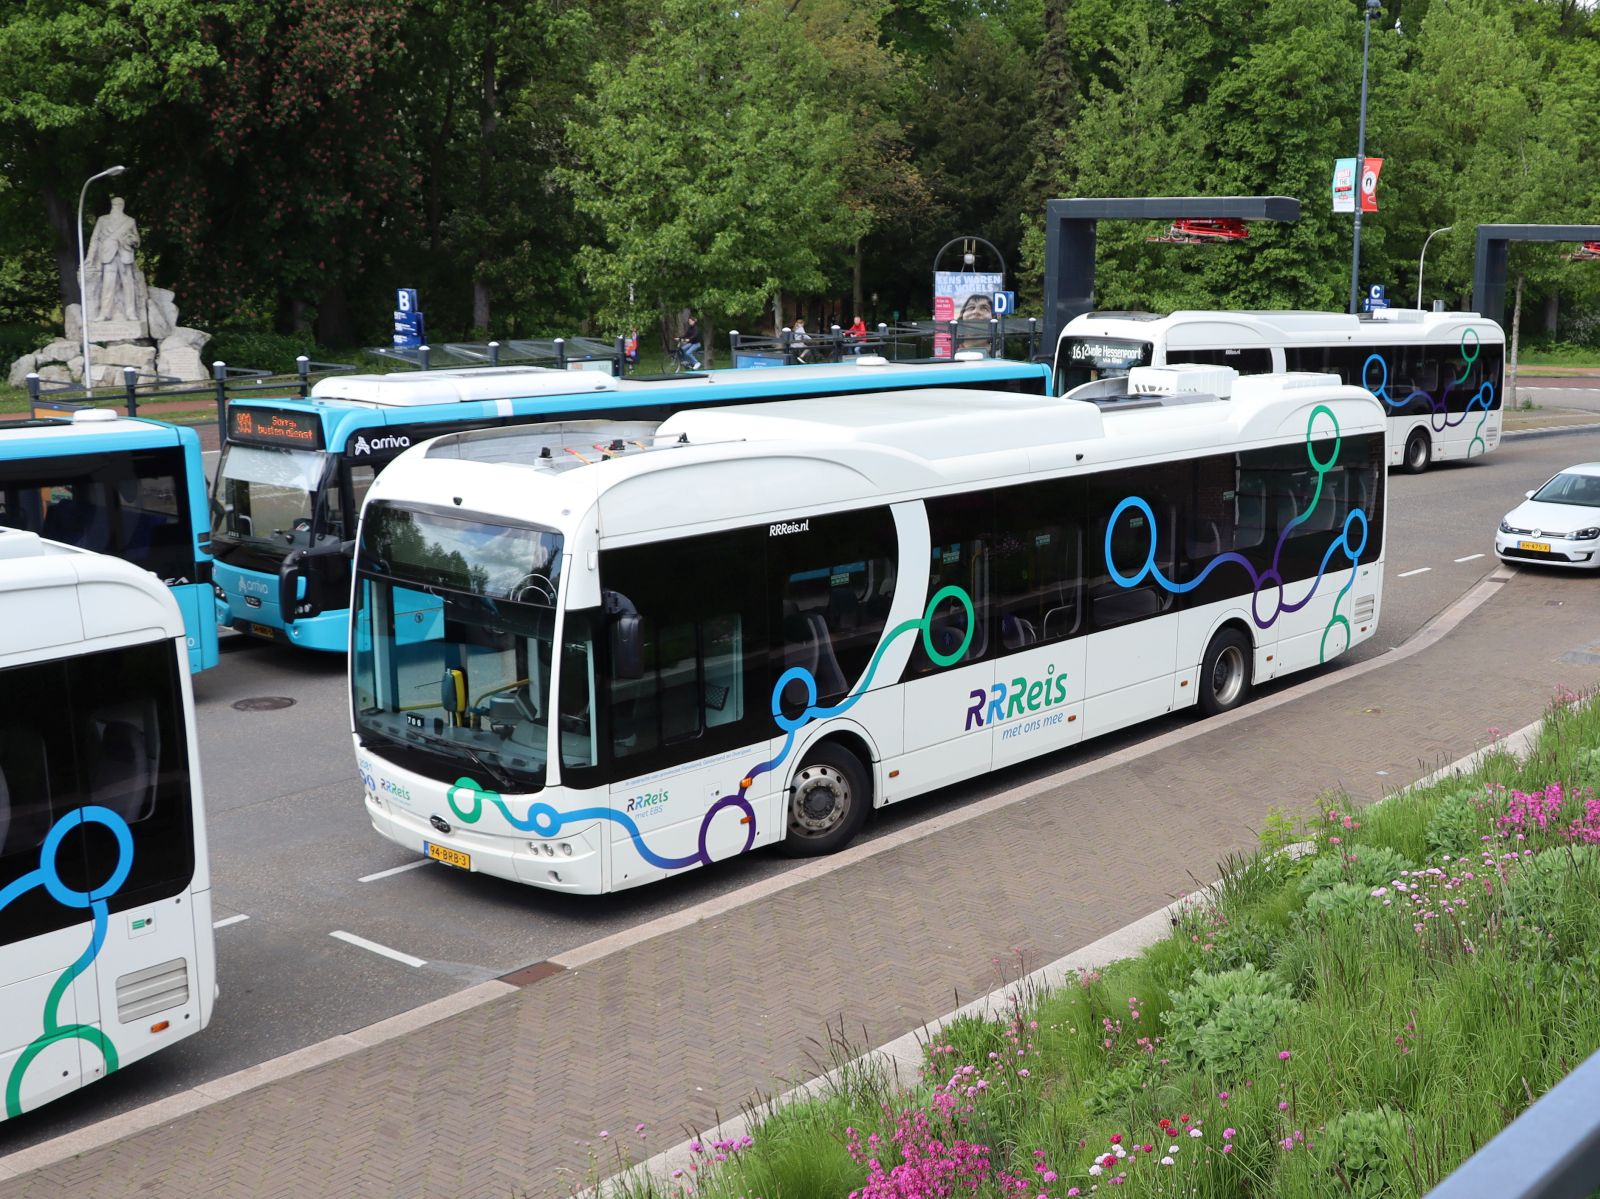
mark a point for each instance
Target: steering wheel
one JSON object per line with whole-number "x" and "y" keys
{"x": 519, "y": 697}
{"x": 540, "y": 588}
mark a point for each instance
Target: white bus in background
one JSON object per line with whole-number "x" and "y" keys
{"x": 106, "y": 952}
{"x": 1438, "y": 374}
{"x": 585, "y": 658}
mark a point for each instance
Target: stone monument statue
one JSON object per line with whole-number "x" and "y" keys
{"x": 130, "y": 324}
{"x": 112, "y": 276}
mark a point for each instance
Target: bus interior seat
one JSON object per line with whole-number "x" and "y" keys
{"x": 1252, "y": 515}
{"x": 28, "y": 512}
{"x": 127, "y": 755}
{"x": 26, "y": 779}
{"x": 1016, "y": 631}
{"x": 1117, "y": 605}
{"x": 830, "y": 679}
{"x": 1205, "y": 539}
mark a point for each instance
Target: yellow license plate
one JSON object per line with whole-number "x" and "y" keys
{"x": 450, "y": 857}
{"x": 263, "y": 630}
{"x": 1542, "y": 547}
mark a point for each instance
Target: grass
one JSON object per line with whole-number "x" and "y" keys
{"x": 1353, "y": 1019}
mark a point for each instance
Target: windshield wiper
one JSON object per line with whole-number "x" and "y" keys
{"x": 498, "y": 774}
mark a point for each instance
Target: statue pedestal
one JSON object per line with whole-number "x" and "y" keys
{"x": 109, "y": 331}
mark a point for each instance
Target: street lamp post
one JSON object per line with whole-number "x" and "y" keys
{"x": 1373, "y": 8}
{"x": 83, "y": 288}
{"x": 1423, "y": 256}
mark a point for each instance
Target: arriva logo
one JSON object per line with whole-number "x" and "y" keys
{"x": 253, "y": 586}
{"x": 395, "y": 441}
{"x": 650, "y": 801}
{"x": 1004, "y": 701}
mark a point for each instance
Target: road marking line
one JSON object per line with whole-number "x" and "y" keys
{"x": 373, "y": 946}
{"x": 1470, "y": 558}
{"x": 227, "y": 920}
{"x": 372, "y": 878}
{"x": 1421, "y": 570}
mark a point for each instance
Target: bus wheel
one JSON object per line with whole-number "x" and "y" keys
{"x": 828, "y": 800}
{"x": 1225, "y": 673}
{"x": 1419, "y": 452}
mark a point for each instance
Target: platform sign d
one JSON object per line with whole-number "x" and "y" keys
{"x": 1005, "y": 303}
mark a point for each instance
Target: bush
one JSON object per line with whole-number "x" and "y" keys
{"x": 1342, "y": 899}
{"x": 275, "y": 352}
{"x": 1459, "y": 823}
{"x": 1223, "y": 1021}
{"x": 1365, "y": 865}
{"x": 1367, "y": 1151}
{"x": 19, "y": 339}
{"x": 1550, "y": 900}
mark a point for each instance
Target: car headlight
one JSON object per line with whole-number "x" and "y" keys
{"x": 1505, "y": 526}
{"x": 1588, "y": 534}
{"x": 217, "y": 590}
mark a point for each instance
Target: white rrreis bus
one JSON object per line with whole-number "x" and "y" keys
{"x": 584, "y": 658}
{"x": 106, "y": 950}
{"x": 1438, "y": 374}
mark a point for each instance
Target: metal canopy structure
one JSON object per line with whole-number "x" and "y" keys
{"x": 1494, "y": 245}
{"x": 1070, "y": 227}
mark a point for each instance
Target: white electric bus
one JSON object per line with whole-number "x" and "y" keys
{"x": 106, "y": 952}
{"x": 1438, "y": 374}
{"x": 585, "y": 657}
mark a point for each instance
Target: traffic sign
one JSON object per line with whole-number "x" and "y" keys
{"x": 1005, "y": 303}
{"x": 1376, "y": 298}
{"x": 410, "y": 330}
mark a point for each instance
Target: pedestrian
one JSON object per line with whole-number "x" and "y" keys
{"x": 798, "y": 340}
{"x": 691, "y": 343}
{"x": 857, "y": 332}
{"x": 630, "y": 349}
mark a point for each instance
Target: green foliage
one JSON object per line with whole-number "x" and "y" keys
{"x": 1279, "y": 829}
{"x": 1459, "y": 823}
{"x": 1550, "y": 902}
{"x": 1366, "y": 1151}
{"x": 1363, "y": 865}
{"x": 1341, "y": 899}
{"x": 1222, "y": 1022}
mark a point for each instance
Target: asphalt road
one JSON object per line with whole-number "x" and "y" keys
{"x": 294, "y": 859}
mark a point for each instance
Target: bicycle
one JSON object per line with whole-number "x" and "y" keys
{"x": 683, "y": 358}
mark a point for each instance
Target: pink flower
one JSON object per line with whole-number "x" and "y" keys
{"x": 1284, "y": 1055}
{"x": 1229, "y": 1133}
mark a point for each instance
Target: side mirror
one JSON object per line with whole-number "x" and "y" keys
{"x": 626, "y": 628}
{"x": 291, "y": 585}
{"x": 1529, "y": 494}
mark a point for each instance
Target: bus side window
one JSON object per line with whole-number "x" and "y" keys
{"x": 1037, "y": 564}
{"x": 1136, "y": 537}
{"x": 961, "y": 529}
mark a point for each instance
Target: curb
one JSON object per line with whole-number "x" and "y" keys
{"x": 906, "y": 1052}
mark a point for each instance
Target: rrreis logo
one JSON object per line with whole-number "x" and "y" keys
{"x": 784, "y": 527}
{"x": 377, "y": 445}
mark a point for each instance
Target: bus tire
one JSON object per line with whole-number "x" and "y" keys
{"x": 1419, "y": 452}
{"x": 827, "y": 802}
{"x": 1225, "y": 672}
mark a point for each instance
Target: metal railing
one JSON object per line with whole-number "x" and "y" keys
{"x": 997, "y": 337}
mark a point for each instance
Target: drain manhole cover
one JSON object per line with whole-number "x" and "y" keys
{"x": 263, "y": 703}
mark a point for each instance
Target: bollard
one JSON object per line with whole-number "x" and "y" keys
{"x": 130, "y": 380}
{"x": 619, "y": 365}
{"x": 494, "y": 353}
{"x": 838, "y": 344}
{"x": 1033, "y": 337}
{"x": 561, "y": 353}
{"x": 784, "y": 339}
{"x": 33, "y": 388}
{"x": 952, "y": 326}
{"x": 733, "y": 347}
{"x": 996, "y": 339}
{"x": 302, "y": 365}
{"x": 426, "y": 355}
{"x": 219, "y": 372}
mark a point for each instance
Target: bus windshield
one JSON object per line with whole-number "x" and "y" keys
{"x": 455, "y": 647}
{"x": 267, "y": 497}
{"x": 1081, "y": 360}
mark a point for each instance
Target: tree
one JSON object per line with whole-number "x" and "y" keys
{"x": 709, "y": 165}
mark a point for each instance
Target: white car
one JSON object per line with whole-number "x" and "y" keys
{"x": 1559, "y": 524}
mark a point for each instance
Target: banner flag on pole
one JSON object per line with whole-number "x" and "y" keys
{"x": 1344, "y": 185}
{"x": 1369, "y": 185}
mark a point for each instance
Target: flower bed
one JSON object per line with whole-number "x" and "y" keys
{"x": 1352, "y": 1019}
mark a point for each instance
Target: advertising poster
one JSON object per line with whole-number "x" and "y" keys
{"x": 1344, "y": 185}
{"x": 1369, "y": 185}
{"x": 964, "y": 296}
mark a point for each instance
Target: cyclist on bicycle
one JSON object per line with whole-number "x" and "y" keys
{"x": 689, "y": 344}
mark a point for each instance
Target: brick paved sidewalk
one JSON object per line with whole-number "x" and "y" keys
{"x": 503, "y": 1099}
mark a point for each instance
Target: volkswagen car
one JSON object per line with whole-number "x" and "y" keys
{"x": 1558, "y": 524}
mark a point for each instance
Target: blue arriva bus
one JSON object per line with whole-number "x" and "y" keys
{"x": 294, "y": 472}
{"x": 133, "y": 489}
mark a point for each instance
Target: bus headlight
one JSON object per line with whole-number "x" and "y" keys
{"x": 216, "y": 590}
